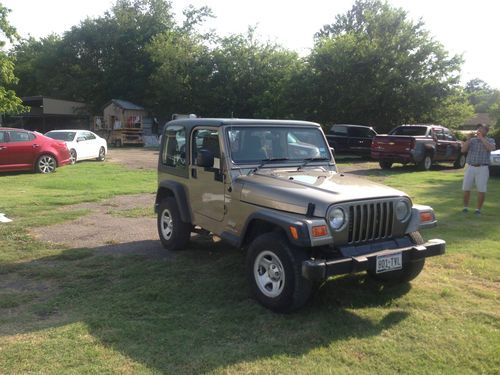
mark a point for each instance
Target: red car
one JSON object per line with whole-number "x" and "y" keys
{"x": 23, "y": 150}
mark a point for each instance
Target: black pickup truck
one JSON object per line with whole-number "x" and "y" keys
{"x": 422, "y": 145}
{"x": 351, "y": 139}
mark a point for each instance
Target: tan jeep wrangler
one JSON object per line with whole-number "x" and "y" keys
{"x": 273, "y": 189}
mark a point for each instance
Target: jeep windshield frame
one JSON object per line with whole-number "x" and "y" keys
{"x": 249, "y": 145}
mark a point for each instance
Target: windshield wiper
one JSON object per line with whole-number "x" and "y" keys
{"x": 309, "y": 160}
{"x": 266, "y": 161}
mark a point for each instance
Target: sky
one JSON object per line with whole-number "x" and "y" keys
{"x": 469, "y": 28}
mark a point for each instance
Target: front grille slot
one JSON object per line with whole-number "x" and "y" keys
{"x": 370, "y": 221}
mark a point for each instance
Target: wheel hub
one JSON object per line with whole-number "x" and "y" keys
{"x": 274, "y": 272}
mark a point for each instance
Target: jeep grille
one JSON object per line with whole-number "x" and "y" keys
{"x": 370, "y": 221}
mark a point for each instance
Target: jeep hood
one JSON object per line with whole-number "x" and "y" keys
{"x": 292, "y": 190}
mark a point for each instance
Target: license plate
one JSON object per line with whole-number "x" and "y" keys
{"x": 390, "y": 262}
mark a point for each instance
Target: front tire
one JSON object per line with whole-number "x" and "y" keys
{"x": 409, "y": 271}
{"x": 102, "y": 154}
{"x": 174, "y": 233}
{"x": 72, "y": 156}
{"x": 274, "y": 272}
{"x": 46, "y": 164}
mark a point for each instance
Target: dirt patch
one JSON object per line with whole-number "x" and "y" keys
{"x": 134, "y": 158}
{"x": 103, "y": 228}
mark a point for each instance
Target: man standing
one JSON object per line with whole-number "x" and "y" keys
{"x": 477, "y": 171}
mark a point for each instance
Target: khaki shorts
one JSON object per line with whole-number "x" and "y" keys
{"x": 478, "y": 176}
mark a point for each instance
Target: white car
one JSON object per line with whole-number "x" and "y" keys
{"x": 82, "y": 144}
{"x": 495, "y": 162}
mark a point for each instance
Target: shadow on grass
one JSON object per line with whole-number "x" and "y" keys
{"x": 190, "y": 312}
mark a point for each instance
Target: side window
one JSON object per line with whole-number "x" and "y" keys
{"x": 440, "y": 135}
{"x": 339, "y": 130}
{"x": 206, "y": 139}
{"x": 448, "y": 136}
{"x": 3, "y": 137}
{"x": 174, "y": 148}
{"x": 89, "y": 136}
{"x": 360, "y": 132}
{"x": 19, "y": 136}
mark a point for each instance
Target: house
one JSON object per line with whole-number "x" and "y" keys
{"x": 47, "y": 114}
{"x": 478, "y": 118}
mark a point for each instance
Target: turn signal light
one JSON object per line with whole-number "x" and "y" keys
{"x": 294, "y": 232}
{"x": 319, "y": 231}
{"x": 426, "y": 216}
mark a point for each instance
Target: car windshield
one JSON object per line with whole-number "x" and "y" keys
{"x": 409, "y": 130}
{"x": 250, "y": 145}
{"x": 62, "y": 136}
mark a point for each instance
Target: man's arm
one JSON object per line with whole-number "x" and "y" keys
{"x": 466, "y": 144}
{"x": 490, "y": 146}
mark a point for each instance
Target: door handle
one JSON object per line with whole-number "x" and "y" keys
{"x": 2, "y": 148}
{"x": 35, "y": 145}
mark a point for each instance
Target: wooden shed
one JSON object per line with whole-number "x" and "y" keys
{"x": 122, "y": 121}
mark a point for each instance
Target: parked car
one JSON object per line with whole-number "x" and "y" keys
{"x": 23, "y": 150}
{"x": 351, "y": 139}
{"x": 422, "y": 145}
{"x": 273, "y": 189}
{"x": 495, "y": 162}
{"x": 82, "y": 144}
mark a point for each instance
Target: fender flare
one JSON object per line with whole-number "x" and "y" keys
{"x": 177, "y": 190}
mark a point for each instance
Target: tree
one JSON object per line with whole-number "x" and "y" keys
{"x": 375, "y": 66}
{"x": 481, "y": 95}
{"x": 9, "y": 101}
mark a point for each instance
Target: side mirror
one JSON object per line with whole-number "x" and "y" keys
{"x": 205, "y": 158}
{"x": 332, "y": 150}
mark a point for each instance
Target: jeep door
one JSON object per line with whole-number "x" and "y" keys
{"x": 206, "y": 182}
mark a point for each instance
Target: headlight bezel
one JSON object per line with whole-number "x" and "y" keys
{"x": 407, "y": 206}
{"x": 330, "y": 219}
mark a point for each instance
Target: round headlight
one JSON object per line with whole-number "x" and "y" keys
{"x": 336, "y": 218}
{"x": 402, "y": 210}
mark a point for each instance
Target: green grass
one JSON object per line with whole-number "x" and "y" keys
{"x": 79, "y": 311}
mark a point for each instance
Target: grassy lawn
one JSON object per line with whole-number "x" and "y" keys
{"x": 78, "y": 311}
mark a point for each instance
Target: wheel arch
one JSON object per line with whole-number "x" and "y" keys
{"x": 261, "y": 222}
{"x": 176, "y": 190}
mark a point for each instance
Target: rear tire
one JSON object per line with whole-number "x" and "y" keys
{"x": 274, "y": 272}
{"x": 460, "y": 162}
{"x": 385, "y": 164}
{"x": 46, "y": 164}
{"x": 409, "y": 271}
{"x": 174, "y": 233}
{"x": 426, "y": 163}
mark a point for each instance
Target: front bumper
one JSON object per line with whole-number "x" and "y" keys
{"x": 321, "y": 269}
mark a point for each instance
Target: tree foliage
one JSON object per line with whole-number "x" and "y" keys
{"x": 372, "y": 66}
{"x": 9, "y": 101}
{"x": 375, "y": 66}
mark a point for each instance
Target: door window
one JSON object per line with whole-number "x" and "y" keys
{"x": 360, "y": 132}
{"x": 338, "y": 130}
{"x": 3, "y": 137}
{"x": 19, "y": 136}
{"x": 206, "y": 139}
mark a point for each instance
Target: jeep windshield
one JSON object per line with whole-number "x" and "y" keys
{"x": 266, "y": 145}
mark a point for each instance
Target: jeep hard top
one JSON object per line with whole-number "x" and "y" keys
{"x": 273, "y": 189}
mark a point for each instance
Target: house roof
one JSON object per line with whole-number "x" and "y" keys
{"x": 479, "y": 118}
{"x": 126, "y": 105}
